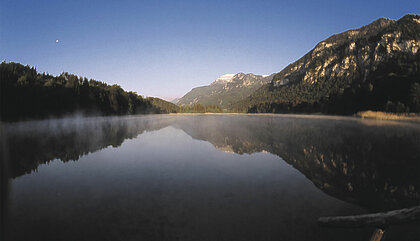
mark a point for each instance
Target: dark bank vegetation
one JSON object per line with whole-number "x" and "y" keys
{"x": 27, "y": 94}
{"x": 199, "y": 108}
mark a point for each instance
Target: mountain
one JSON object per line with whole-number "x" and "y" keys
{"x": 375, "y": 67}
{"x": 163, "y": 106}
{"x": 225, "y": 90}
{"x": 175, "y": 101}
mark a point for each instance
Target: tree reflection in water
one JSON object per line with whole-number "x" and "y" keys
{"x": 372, "y": 164}
{"x": 368, "y": 163}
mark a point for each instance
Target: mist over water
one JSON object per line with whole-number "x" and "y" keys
{"x": 207, "y": 177}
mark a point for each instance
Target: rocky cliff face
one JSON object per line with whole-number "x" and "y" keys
{"x": 225, "y": 90}
{"x": 359, "y": 51}
{"x": 373, "y": 67}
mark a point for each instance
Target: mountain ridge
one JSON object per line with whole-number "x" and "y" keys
{"x": 373, "y": 67}
{"x": 225, "y": 90}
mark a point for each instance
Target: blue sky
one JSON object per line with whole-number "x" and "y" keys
{"x": 165, "y": 48}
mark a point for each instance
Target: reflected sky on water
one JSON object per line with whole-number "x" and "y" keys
{"x": 206, "y": 177}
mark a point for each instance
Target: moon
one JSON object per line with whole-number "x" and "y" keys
{"x": 56, "y": 40}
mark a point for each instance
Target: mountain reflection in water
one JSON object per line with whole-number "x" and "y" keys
{"x": 371, "y": 164}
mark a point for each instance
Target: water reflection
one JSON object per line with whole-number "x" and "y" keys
{"x": 168, "y": 185}
{"x": 370, "y": 163}
{"x": 33, "y": 143}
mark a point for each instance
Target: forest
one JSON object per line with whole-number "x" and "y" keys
{"x": 26, "y": 94}
{"x": 381, "y": 92}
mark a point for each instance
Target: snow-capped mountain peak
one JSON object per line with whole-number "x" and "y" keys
{"x": 224, "y": 79}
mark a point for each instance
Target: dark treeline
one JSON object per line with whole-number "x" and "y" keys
{"x": 199, "y": 108}
{"x": 27, "y": 94}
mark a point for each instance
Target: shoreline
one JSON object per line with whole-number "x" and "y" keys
{"x": 379, "y": 115}
{"x": 367, "y": 115}
{"x": 361, "y": 115}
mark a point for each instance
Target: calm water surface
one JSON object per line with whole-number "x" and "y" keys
{"x": 207, "y": 177}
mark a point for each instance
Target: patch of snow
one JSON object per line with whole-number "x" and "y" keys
{"x": 224, "y": 79}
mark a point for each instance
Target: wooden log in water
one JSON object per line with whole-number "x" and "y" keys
{"x": 377, "y": 235}
{"x": 385, "y": 219}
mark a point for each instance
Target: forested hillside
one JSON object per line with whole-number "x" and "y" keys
{"x": 376, "y": 67}
{"x": 27, "y": 94}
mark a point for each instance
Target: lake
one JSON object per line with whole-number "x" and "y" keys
{"x": 206, "y": 177}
